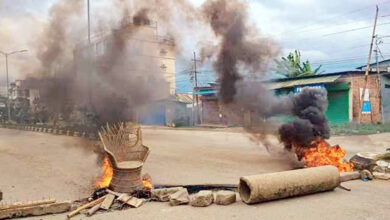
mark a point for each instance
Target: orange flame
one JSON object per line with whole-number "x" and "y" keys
{"x": 105, "y": 180}
{"x": 324, "y": 154}
{"x": 147, "y": 184}
{"x": 147, "y": 181}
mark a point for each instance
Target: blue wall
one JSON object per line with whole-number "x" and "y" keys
{"x": 152, "y": 114}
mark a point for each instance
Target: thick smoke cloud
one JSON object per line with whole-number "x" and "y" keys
{"x": 310, "y": 123}
{"x": 253, "y": 96}
{"x": 107, "y": 87}
{"x": 55, "y": 44}
{"x": 240, "y": 62}
{"x": 80, "y": 83}
{"x": 53, "y": 48}
{"x": 115, "y": 94}
{"x": 239, "y": 48}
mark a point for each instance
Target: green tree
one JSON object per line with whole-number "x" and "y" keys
{"x": 291, "y": 66}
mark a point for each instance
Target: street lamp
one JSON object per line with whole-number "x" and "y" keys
{"x": 6, "y": 69}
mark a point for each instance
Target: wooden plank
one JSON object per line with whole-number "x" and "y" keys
{"x": 27, "y": 204}
{"x": 86, "y": 206}
{"x": 93, "y": 210}
{"x": 106, "y": 204}
{"x": 36, "y": 210}
{"x": 131, "y": 201}
{"x": 113, "y": 193}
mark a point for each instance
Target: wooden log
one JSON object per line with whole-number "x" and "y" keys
{"x": 106, "y": 204}
{"x": 37, "y": 210}
{"x": 28, "y": 204}
{"x": 93, "y": 210}
{"x": 86, "y": 206}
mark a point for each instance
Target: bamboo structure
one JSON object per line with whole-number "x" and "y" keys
{"x": 123, "y": 146}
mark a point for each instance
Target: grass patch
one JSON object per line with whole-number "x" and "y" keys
{"x": 358, "y": 129}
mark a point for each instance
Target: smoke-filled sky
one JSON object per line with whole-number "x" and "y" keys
{"x": 321, "y": 30}
{"x": 304, "y": 24}
{"x": 333, "y": 33}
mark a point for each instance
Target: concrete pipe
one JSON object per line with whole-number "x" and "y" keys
{"x": 271, "y": 186}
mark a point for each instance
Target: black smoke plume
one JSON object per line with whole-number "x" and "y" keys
{"x": 110, "y": 88}
{"x": 309, "y": 109}
{"x": 241, "y": 63}
{"x": 239, "y": 48}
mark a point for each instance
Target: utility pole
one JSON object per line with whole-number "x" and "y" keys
{"x": 195, "y": 88}
{"x": 89, "y": 24}
{"x": 90, "y": 52}
{"x": 377, "y": 42}
{"x": 8, "y": 94}
{"x": 6, "y": 70}
{"x": 368, "y": 68}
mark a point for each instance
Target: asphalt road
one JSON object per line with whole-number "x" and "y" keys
{"x": 36, "y": 165}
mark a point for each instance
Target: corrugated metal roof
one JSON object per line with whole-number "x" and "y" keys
{"x": 298, "y": 82}
{"x": 380, "y": 63}
{"x": 205, "y": 92}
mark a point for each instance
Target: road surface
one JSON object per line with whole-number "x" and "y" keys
{"x": 36, "y": 165}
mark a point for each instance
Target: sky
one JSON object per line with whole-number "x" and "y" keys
{"x": 335, "y": 34}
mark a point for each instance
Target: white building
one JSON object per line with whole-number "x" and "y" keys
{"x": 148, "y": 47}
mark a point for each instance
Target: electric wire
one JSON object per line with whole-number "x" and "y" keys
{"x": 355, "y": 29}
{"x": 337, "y": 16}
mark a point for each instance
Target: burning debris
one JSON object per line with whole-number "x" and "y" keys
{"x": 108, "y": 200}
{"x": 307, "y": 133}
{"x": 126, "y": 156}
{"x": 323, "y": 154}
{"x": 105, "y": 180}
{"x": 241, "y": 60}
{"x": 308, "y": 130}
{"x": 121, "y": 184}
{"x": 121, "y": 168}
{"x": 310, "y": 123}
{"x": 108, "y": 90}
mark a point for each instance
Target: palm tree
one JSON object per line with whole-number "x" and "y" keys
{"x": 291, "y": 66}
